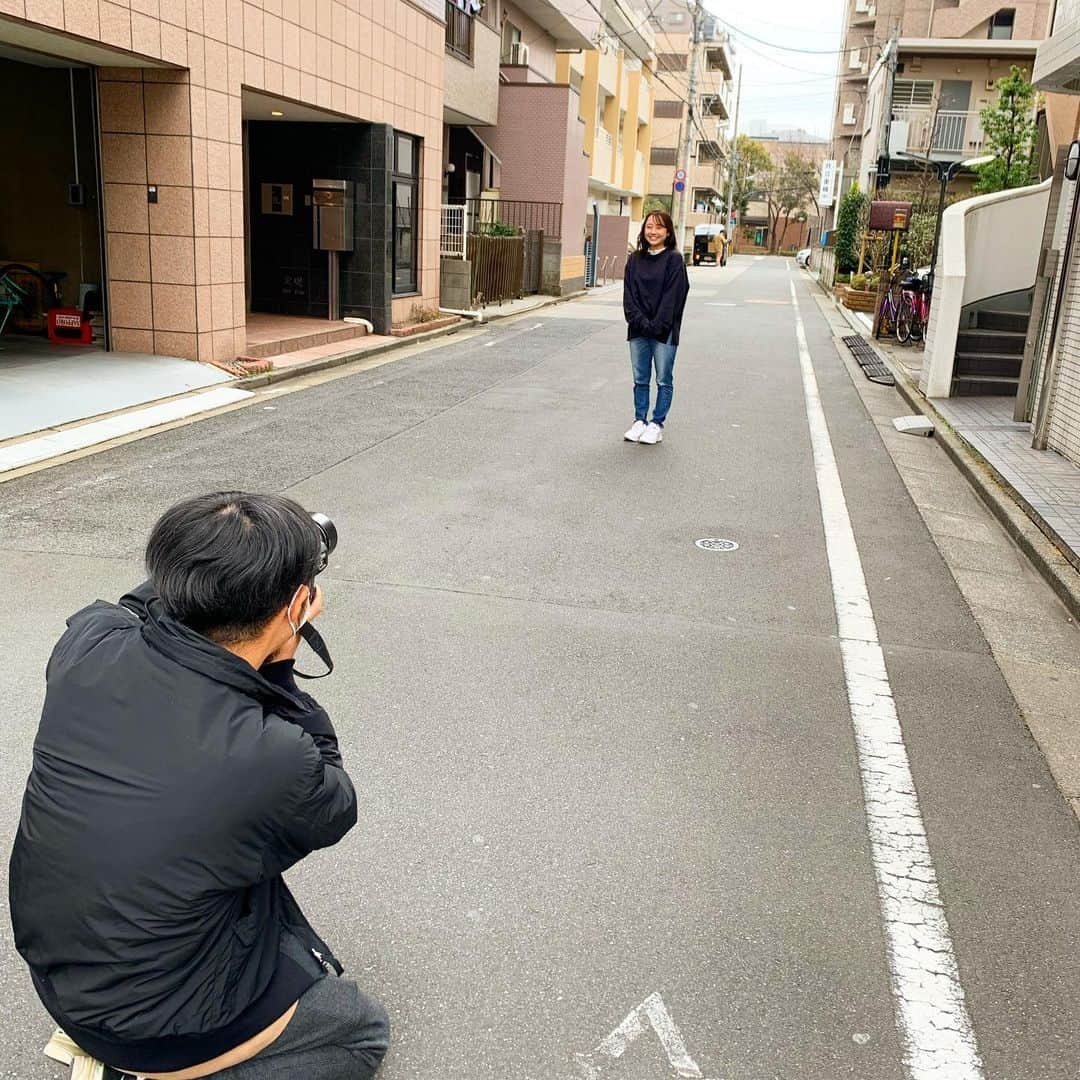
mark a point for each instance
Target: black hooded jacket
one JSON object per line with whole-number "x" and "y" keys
{"x": 172, "y": 784}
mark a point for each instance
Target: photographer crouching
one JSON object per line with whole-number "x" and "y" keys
{"x": 178, "y": 771}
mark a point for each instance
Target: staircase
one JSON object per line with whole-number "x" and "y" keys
{"x": 989, "y": 355}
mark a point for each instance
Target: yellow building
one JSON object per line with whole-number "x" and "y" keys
{"x": 616, "y": 86}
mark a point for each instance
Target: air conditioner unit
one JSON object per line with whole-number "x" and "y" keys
{"x": 519, "y": 54}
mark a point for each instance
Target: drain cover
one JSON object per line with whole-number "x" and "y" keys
{"x": 866, "y": 357}
{"x": 715, "y": 544}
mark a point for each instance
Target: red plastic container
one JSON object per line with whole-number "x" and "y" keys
{"x": 67, "y": 327}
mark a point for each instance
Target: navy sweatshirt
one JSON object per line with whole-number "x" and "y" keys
{"x": 655, "y": 288}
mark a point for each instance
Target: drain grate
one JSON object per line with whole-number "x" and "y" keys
{"x": 873, "y": 367}
{"x": 713, "y": 543}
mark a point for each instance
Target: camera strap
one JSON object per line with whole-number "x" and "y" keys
{"x": 318, "y": 647}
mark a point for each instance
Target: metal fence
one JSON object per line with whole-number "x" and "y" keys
{"x": 527, "y": 216}
{"x": 452, "y": 232}
{"x": 498, "y": 268}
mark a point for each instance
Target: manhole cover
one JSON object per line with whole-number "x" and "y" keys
{"x": 716, "y": 544}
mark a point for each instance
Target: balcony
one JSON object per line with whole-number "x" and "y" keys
{"x": 571, "y": 24}
{"x": 718, "y": 57}
{"x": 631, "y": 24}
{"x": 864, "y": 14}
{"x": 600, "y": 167}
{"x": 470, "y": 71}
{"x": 944, "y": 135}
{"x": 645, "y": 101}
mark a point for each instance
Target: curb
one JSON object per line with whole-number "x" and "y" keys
{"x": 1044, "y": 549}
{"x": 327, "y": 363}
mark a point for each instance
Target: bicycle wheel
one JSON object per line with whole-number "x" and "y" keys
{"x": 905, "y": 317}
{"x": 918, "y": 324}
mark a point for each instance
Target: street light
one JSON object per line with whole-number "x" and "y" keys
{"x": 945, "y": 172}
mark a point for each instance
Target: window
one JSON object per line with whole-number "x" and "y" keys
{"x": 849, "y": 113}
{"x": 671, "y": 61}
{"x": 913, "y": 92}
{"x": 708, "y": 151}
{"x": 853, "y": 59}
{"x": 663, "y": 155}
{"x": 405, "y": 211}
{"x": 511, "y": 36}
{"x": 1001, "y": 24}
{"x": 668, "y": 110}
{"x": 459, "y": 32}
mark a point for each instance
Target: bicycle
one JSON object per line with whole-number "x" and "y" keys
{"x": 914, "y": 311}
{"x": 888, "y": 316}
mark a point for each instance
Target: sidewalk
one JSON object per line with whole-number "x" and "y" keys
{"x": 173, "y": 391}
{"x": 1029, "y": 491}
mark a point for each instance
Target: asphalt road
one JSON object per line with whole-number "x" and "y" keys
{"x": 600, "y": 767}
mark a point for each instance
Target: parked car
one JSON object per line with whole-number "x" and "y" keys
{"x": 802, "y": 258}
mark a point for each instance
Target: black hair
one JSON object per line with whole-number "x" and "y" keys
{"x": 665, "y": 220}
{"x": 224, "y": 564}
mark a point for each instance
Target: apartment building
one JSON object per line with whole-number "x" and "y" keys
{"x": 514, "y": 137}
{"x": 616, "y": 82}
{"x": 176, "y": 158}
{"x": 914, "y": 75}
{"x": 673, "y": 25}
{"x": 1049, "y": 392}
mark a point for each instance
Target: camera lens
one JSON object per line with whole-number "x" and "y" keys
{"x": 328, "y": 531}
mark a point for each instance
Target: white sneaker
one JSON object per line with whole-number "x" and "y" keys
{"x": 636, "y": 431}
{"x": 652, "y": 434}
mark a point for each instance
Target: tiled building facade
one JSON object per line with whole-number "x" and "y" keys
{"x": 180, "y": 84}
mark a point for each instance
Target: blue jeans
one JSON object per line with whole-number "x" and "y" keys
{"x": 644, "y": 354}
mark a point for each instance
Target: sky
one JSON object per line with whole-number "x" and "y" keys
{"x": 781, "y": 86}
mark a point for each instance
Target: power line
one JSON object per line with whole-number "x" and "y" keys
{"x": 775, "y": 45}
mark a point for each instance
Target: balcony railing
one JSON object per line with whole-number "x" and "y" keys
{"x": 459, "y": 32}
{"x": 945, "y": 132}
{"x": 482, "y": 215}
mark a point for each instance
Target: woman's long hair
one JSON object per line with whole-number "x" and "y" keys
{"x": 665, "y": 220}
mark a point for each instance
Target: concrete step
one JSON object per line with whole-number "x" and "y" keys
{"x": 1003, "y": 320}
{"x": 986, "y": 363}
{"x": 992, "y": 385}
{"x": 306, "y": 338}
{"x": 1000, "y": 342}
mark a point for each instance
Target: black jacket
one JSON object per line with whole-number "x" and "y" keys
{"x": 172, "y": 784}
{"x": 655, "y": 288}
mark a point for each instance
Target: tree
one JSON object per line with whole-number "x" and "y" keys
{"x": 849, "y": 229}
{"x": 656, "y": 202}
{"x": 1009, "y": 127}
{"x": 752, "y": 164}
{"x": 790, "y": 187}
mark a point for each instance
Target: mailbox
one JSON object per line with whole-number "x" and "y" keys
{"x": 332, "y": 215}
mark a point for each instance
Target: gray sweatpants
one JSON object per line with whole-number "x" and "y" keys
{"x": 336, "y": 1033}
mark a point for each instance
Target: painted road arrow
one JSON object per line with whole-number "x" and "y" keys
{"x": 651, "y": 1012}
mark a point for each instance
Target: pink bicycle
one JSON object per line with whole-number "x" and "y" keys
{"x": 913, "y": 311}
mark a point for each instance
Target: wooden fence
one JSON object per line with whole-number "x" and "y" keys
{"x": 498, "y": 267}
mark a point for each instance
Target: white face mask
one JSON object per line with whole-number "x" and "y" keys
{"x": 296, "y": 627}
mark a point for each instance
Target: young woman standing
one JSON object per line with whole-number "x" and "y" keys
{"x": 655, "y": 286}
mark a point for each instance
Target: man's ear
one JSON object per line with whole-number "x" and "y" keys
{"x": 296, "y": 612}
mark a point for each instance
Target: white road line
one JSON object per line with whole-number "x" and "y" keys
{"x": 930, "y": 1009}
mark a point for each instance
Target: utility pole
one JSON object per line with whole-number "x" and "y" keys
{"x": 692, "y": 112}
{"x": 733, "y": 169}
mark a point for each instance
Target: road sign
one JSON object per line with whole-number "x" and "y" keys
{"x": 680, "y": 174}
{"x": 679, "y": 185}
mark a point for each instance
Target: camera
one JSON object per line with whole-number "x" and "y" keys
{"x": 327, "y": 539}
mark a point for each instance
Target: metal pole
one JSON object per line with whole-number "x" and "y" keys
{"x": 733, "y": 167}
{"x": 688, "y": 142}
{"x": 944, "y": 176}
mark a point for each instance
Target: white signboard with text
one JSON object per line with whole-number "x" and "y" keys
{"x": 827, "y": 191}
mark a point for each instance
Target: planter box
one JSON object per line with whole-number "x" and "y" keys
{"x": 420, "y": 328}
{"x": 859, "y": 299}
